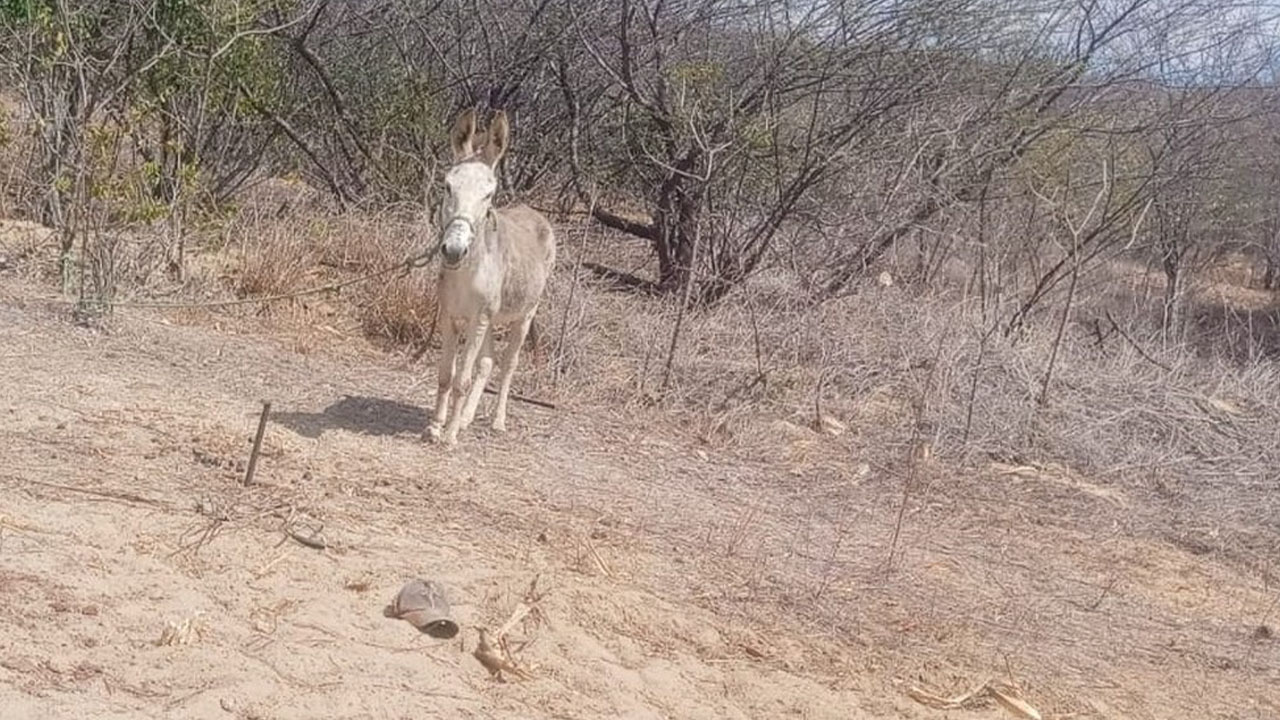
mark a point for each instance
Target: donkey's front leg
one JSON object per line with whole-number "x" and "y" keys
{"x": 463, "y": 379}
{"x": 480, "y": 382}
{"x": 445, "y": 368}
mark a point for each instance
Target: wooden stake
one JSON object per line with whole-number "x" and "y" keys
{"x": 257, "y": 442}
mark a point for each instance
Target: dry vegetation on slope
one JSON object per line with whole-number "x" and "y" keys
{"x": 1111, "y": 551}
{"x": 894, "y": 347}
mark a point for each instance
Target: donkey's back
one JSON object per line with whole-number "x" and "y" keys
{"x": 528, "y": 247}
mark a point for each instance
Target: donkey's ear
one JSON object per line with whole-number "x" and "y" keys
{"x": 462, "y": 135}
{"x": 499, "y": 138}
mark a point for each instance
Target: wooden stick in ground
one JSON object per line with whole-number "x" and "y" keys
{"x": 257, "y": 442}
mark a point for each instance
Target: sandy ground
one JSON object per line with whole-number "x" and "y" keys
{"x": 680, "y": 582}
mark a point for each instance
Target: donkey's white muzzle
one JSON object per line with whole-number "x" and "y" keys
{"x": 456, "y": 241}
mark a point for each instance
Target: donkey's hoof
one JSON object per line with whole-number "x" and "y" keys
{"x": 448, "y": 435}
{"x": 431, "y": 434}
{"x": 498, "y": 425}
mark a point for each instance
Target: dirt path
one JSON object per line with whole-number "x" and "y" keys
{"x": 723, "y": 589}
{"x": 123, "y": 514}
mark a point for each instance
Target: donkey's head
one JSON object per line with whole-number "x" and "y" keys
{"x": 469, "y": 184}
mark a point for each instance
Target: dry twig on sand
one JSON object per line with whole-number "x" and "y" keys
{"x": 603, "y": 567}
{"x": 500, "y": 665}
{"x": 1006, "y": 696}
{"x": 313, "y": 538}
{"x": 529, "y": 606}
{"x": 181, "y": 633}
{"x": 499, "y": 661}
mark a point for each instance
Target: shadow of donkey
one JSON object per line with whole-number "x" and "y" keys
{"x": 358, "y": 414}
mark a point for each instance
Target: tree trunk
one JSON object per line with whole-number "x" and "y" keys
{"x": 1172, "y": 319}
{"x": 677, "y": 218}
{"x": 1271, "y": 278}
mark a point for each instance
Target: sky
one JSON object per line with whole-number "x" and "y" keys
{"x": 1175, "y": 41}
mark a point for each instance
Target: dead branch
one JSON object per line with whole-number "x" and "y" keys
{"x": 1134, "y": 344}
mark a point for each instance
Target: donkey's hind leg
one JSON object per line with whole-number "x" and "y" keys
{"x": 510, "y": 356}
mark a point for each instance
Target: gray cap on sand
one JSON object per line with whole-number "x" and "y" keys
{"x": 423, "y": 604}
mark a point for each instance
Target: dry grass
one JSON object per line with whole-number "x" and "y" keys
{"x": 1121, "y": 408}
{"x": 1124, "y": 410}
{"x": 1138, "y": 446}
{"x": 402, "y": 312}
{"x": 1045, "y": 530}
{"x": 284, "y": 253}
{"x": 273, "y": 261}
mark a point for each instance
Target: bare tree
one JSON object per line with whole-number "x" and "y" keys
{"x": 722, "y": 117}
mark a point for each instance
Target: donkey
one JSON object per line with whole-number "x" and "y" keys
{"x": 494, "y": 268}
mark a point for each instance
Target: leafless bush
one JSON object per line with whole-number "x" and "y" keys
{"x": 274, "y": 260}
{"x": 1124, "y": 409}
{"x": 283, "y": 250}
